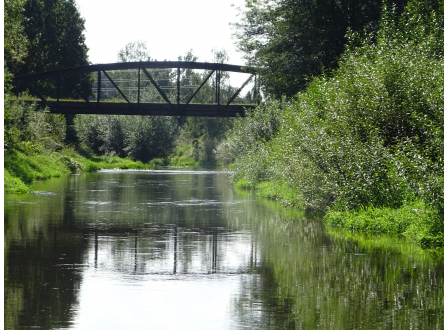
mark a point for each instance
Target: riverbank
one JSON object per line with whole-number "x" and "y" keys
{"x": 414, "y": 219}
{"x": 364, "y": 144}
{"x": 36, "y": 148}
{"x": 23, "y": 166}
{"x": 27, "y": 162}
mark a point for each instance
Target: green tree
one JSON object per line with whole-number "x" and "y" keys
{"x": 148, "y": 137}
{"x": 134, "y": 52}
{"x": 15, "y": 41}
{"x": 293, "y": 40}
{"x": 55, "y": 30}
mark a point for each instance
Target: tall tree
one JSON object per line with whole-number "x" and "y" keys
{"x": 292, "y": 40}
{"x": 134, "y": 52}
{"x": 55, "y": 30}
{"x": 15, "y": 41}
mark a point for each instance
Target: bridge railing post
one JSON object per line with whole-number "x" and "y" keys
{"x": 178, "y": 87}
{"x": 218, "y": 87}
{"x": 138, "y": 88}
{"x": 98, "y": 96}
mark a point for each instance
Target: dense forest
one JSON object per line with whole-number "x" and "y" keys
{"x": 351, "y": 121}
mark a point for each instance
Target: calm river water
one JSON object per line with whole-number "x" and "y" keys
{"x": 184, "y": 250}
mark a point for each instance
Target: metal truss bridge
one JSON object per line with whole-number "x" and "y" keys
{"x": 166, "y": 88}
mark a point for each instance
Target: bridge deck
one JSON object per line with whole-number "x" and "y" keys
{"x": 147, "y": 109}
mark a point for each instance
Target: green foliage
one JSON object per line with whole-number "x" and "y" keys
{"x": 278, "y": 190}
{"x": 242, "y": 184}
{"x": 13, "y": 184}
{"x": 95, "y": 163}
{"x": 158, "y": 163}
{"x": 414, "y": 220}
{"x": 14, "y": 42}
{"x": 72, "y": 164}
{"x": 141, "y": 138}
{"x": 103, "y": 134}
{"x": 369, "y": 136}
{"x": 292, "y": 41}
{"x": 150, "y": 137}
{"x": 92, "y": 167}
{"x": 134, "y": 52}
{"x": 55, "y": 33}
{"x": 34, "y": 148}
{"x": 183, "y": 155}
{"x": 30, "y": 167}
{"x": 23, "y": 123}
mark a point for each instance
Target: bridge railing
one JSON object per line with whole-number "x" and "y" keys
{"x": 152, "y": 88}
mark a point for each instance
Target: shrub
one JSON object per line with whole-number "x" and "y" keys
{"x": 72, "y": 164}
{"x": 369, "y": 136}
{"x": 92, "y": 167}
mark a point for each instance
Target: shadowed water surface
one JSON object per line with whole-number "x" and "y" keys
{"x": 183, "y": 250}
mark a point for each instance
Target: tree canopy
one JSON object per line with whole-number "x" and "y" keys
{"x": 293, "y": 40}
{"x": 15, "y": 41}
{"x": 54, "y": 30}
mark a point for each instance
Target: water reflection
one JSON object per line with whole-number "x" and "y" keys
{"x": 183, "y": 250}
{"x": 169, "y": 249}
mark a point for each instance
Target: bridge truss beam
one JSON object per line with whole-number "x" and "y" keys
{"x": 218, "y": 109}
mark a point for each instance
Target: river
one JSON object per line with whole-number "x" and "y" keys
{"x": 179, "y": 249}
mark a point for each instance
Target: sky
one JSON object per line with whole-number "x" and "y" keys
{"x": 169, "y": 27}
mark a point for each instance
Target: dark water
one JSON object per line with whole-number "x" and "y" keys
{"x": 183, "y": 250}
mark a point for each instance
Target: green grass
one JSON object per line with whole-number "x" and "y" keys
{"x": 422, "y": 225}
{"x": 243, "y": 184}
{"x": 96, "y": 163}
{"x": 92, "y": 162}
{"x": 28, "y": 163}
{"x": 278, "y": 191}
{"x": 181, "y": 156}
{"x": 13, "y": 184}
{"x": 30, "y": 167}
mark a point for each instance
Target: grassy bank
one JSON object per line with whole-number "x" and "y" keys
{"x": 22, "y": 167}
{"x": 415, "y": 219}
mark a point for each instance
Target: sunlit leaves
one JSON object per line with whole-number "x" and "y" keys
{"x": 15, "y": 41}
{"x": 369, "y": 135}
